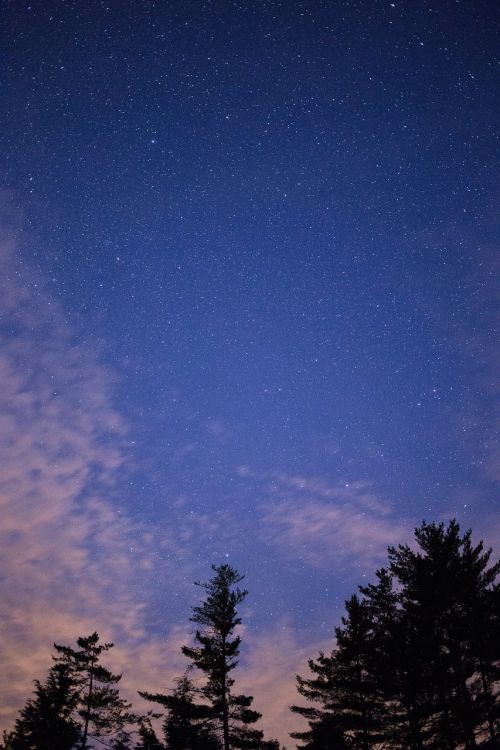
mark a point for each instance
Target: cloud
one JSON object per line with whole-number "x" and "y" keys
{"x": 272, "y": 663}
{"x": 71, "y": 559}
{"x": 322, "y": 525}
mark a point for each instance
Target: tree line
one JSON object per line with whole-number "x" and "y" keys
{"x": 415, "y": 666}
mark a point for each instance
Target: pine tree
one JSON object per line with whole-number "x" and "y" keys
{"x": 147, "y": 735}
{"x": 396, "y": 660}
{"x": 99, "y": 707}
{"x": 45, "y": 722}
{"x": 122, "y": 741}
{"x": 360, "y": 698}
{"x": 346, "y": 686}
{"x": 482, "y": 608}
{"x": 322, "y": 735}
{"x": 448, "y": 594}
{"x": 417, "y": 660}
{"x": 216, "y": 655}
{"x": 186, "y": 725}
{"x": 325, "y": 717}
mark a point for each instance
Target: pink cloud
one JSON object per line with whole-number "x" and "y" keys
{"x": 272, "y": 662}
{"x": 71, "y": 560}
{"x": 322, "y": 525}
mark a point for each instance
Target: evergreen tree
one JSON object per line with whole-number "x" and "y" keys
{"x": 322, "y": 735}
{"x": 270, "y": 745}
{"x": 45, "y": 722}
{"x": 483, "y": 636}
{"x": 359, "y": 693}
{"x": 98, "y": 705}
{"x": 417, "y": 661}
{"x": 347, "y": 687}
{"x": 147, "y": 735}
{"x": 187, "y": 725}
{"x": 325, "y": 717}
{"x": 216, "y": 655}
{"x": 448, "y": 595}
{"x": 122, "y": 741}
{"x": 396, "y": 661}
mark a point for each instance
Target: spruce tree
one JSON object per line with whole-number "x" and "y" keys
{"x": 216, "y": 655}
{"x": 346, "y": 686}
{"x": 147, "y": 735}
{"x": 396, "y": 661}
{"x": 359, "y": 695}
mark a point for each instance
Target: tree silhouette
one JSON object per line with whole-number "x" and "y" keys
{"x": 448, "y": 596}
{"x": 186, "y": 725}
{"x": 97, "y": 702}
{"x": 216, "y": 655}
{"x": 147, "y": 735}
{"x": 417, "y": 660}
{"x": 322, "y": 689}
{"x": 346, "y": 687}
{"x": 399, "y": 666}
{"x": 45, "y": 722}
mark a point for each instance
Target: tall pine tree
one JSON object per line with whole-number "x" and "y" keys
{"x": 346, "y": 685}
{"x": 417, "y": 660}
{"x": 326, "y": 730}
{"x": 216, "y": 655}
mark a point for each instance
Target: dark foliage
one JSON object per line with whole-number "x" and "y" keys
{"x": 186, "y": 725}
{"x": 216, "y": 655}
{"x": 77, "y": 702}
{"x": 45, "y": 722}
{"x": 417, "y": 660}
{"x": 99, "y": 707}
{"x": 416, "y": 666}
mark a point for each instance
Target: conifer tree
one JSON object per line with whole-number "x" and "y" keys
{"x": 98, "y": 705}
{"x": 447, "y": 592}
{"x": 397, "y": 662}
{"x": 45, "y": 722}
{"x": 216, "y": 655}
{"x": 417, "y": 660}
{"x": 147, "y": 735}
{"x": 186, "y": 725}
{"x": 345, "y": 685}
{"x": 359, "y": 696}
{"x": 324, "y": 718}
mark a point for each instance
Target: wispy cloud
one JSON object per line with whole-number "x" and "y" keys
{"x": 272, "y": 663}
{"x": 319, "y": 524}
{"x": 71, "y": 559}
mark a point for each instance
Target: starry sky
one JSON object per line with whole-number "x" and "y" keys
{"x": 249, "y": 313}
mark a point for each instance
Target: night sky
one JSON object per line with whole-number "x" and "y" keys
{"x": 249, "y": 313}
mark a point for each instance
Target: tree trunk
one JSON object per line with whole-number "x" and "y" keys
{"x": 87, "y": 711}
{"x": 225, "y": 717}
{"x": 465, "y": 716}
{"x": 489, "y": 703}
